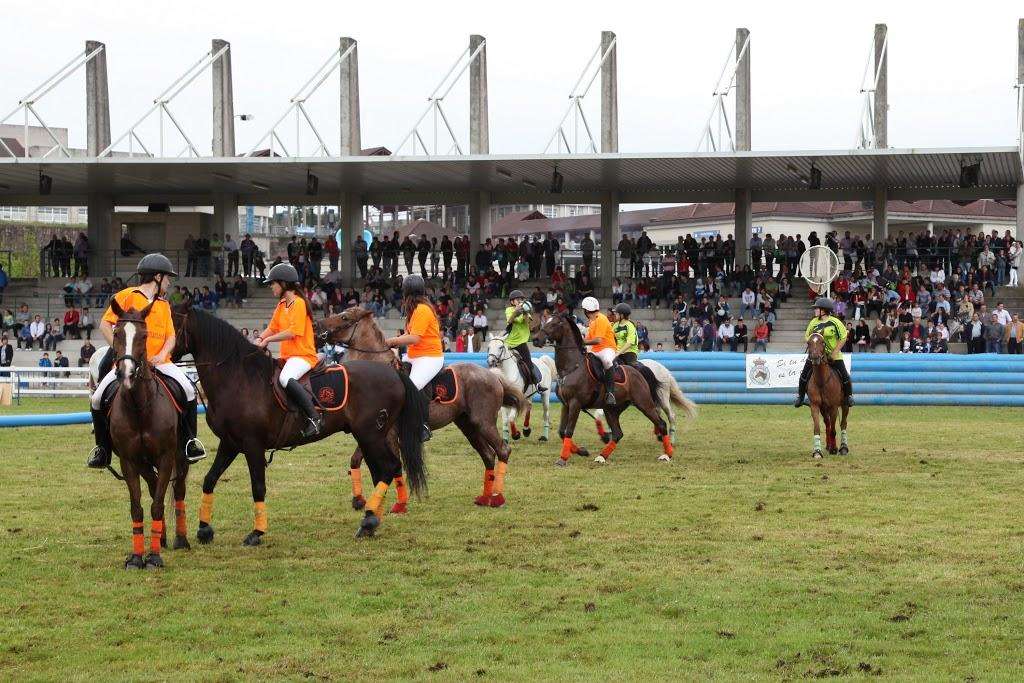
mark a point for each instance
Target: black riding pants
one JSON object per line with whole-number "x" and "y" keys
{"x": 523, "y": 351}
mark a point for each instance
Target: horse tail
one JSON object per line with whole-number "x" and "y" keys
{"x": 410, "y": 435}
{"x": 511, "y": 396}
{"x": 652, "y": 382}
{"x": 677, "y": 397}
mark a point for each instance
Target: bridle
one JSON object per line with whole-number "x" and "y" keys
{"x": 327, "y": 336}
{"x": 820, "y": 359}
{"x": 494, "y": 361}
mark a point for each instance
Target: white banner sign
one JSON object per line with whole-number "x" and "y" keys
{"x": 775, "y": 370}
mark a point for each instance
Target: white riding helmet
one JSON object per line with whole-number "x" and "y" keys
{"x": 591, "y": 304}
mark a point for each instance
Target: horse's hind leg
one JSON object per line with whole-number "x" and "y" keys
{"x": 401, "y": 505}
{"x": 614, "y": 436}
{"x": 546, "y": 401}
{"x": 180, "y": 521}
{"x": 602, "y": 433}
{"x": 500, "y": 451}
{"x": 358, "y": 502}
{"x": 487, "y": 455}
{"x": 816, "y": 419}
{"x": 844, "y": 445}
{"x": 131, "y": 478}
{"x": 256, "y": 460}
{"x": 226, "y": 455}
{"x": 646, "y": 405}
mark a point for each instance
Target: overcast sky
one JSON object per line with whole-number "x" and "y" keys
{"x": 951, "y": 66}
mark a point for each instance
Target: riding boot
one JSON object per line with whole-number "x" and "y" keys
{"x": 805, "y": 377}
{"x": 100, "y": 457}
{"x": 532, "y": 367}
{"x": 844, "y": 378}
{"x": 609, "y": 386}
{"x": 426, "y": 434}
{"x": 304, "y": 401}
{"x": 192, "y": 447}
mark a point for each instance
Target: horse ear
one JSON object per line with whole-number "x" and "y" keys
{"x": 145, "y": 311}
{"x": 116, "y": 307}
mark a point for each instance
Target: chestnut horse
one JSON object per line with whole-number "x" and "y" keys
{"x": 144, "y": 434}
{"x": 246, "y": 413}
{"x": 474, "y": 412}
{"x": 578, "y": 389}
{"x": 825, "y": 392}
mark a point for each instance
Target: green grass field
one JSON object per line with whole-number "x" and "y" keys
{"x": 743, "y": 559}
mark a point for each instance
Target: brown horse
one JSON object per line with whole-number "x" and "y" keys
{"x": 825, "y": 392}
{"x": 580, "y": 389}
{"x": 481, "y": 394}
{"x": 144, "y": 434}
{"x": 248, "y": 415}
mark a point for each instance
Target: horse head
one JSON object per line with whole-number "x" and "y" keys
{"x": 341, "y": 328}
{"x": 496, "y": 351}
{"x": 130, "y": 343}
{"x": 816, "y": 349}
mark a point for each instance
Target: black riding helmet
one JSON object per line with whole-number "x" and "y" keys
{"x": 516, "y": 294}
{"x": 623, "y": 309}
{"x": 282, "y": 272}
{"x": 824, "y": 303}
{"x": 155, "y": 264}
{"x": 413, "y": 285}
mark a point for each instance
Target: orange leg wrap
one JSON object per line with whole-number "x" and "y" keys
{"x": 259, "y": 517}
{"x": 206, "y": 508}
{"x": 526, "y": 421}
{"x": 180, "y": 527}
{"x": 402, "y": 491}
{"x": 666, "y": 442}
{"x": 156, "y": 530}
{"x": 138, "y": 539}
{"x": 567, "y": 448}
{"x": 606, "y": 452}
{"x": 485, "y": 498}
{"x": 500, "y": 468}
{"x": 357, "y": 482}
{"x": 513, "y": 429}
{"x": 376, "y": 502}
{"x": 600, "y": 427}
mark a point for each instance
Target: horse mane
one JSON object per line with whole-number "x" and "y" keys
{"x": 221, "y": 334}
{"x": 577, "y": 336}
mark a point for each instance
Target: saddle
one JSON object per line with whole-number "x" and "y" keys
{"x": 595, "y": 368}
{"x": 327, "y": 384}
{"x": 443, "y": 389}
{"x": 528, "y": 377}
{"x": 170, "y": 386}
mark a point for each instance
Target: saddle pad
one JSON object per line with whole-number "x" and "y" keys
{"x": 330, "y": 387}
{"x": 445, "y": 387}
{"x": 596, "y": 370}
{"x": 170, "y": 387}
{"x": 524, "y": 372}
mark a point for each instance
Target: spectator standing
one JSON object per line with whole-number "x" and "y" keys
{"x": 6, "y": 355}
{"x": 587, "y": 249}
{"x": 333, "y": 252}
{"x": 248, "y": 250}
{"x": 1014, "y": 257}
{"x": 361, "y": 251}
{"x": 231, "y": 247}
{"x": 1013, "y": 338}
{"x": 994, "y": 332}
{"x": 217, "y": 251}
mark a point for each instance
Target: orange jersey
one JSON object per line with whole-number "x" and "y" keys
{"x": 159, "y": 325}
{"x": 292, "y": 317}
{"x": 601, "y": 328}
{"x": 424, "y": 323}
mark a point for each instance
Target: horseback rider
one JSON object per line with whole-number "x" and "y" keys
{"x": 292, "y": 325}
{"x": 517, "y": 335}
{"x": 601, "y": 336}
{"x": 155, "y": 272}
{"x": 833, "y": 331}
{"x": 627, "y": 342}
{"x": 422, "y": 337}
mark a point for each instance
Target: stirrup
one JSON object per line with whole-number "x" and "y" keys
{"x": 426, "y": 434}
{"x": 194, "y": 450}
{"x": 799, "y": 402}
{"x": 610, "y": 399}
{"x": 312, "y": 427}
{"x": 99, "y": 458}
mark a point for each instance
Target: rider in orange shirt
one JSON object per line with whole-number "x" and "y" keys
{"x": 601, "y": 336}
{"x": 425, "y": 351}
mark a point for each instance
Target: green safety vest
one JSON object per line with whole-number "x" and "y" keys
{"x": 834, "y": 332}
{"x": 519, "y": 331}
{"x": 626, "y": 339}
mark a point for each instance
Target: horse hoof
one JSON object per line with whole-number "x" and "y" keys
{"x": 205, "y": 533}
{"x": 181, "y": 543}
{"x": 516, "y": 436}
{"x": 561, "y": 463}
{"x": 368, "y": 526}
{"x": 832, "y": 451}
{"x": 583, "y": 453}
{"x": 482, "y": 501}
{"x": 154, "y": 561}
{"x": 253, "y": 539}
{"x": 606, "y": 437}
{"x": 358, "y": 502}
{"x": 527, "y": 431}
{"x": 134, "y": 562}
{"x": 664, "y": 458}
{"x": 497, "y": 500}
{"x": 600, "y": 460}
{"x": 543, "y": 438}
{"x": 817, "y": 455}
{"x": 843, "y": 450}
{"x": 399, "y": 508}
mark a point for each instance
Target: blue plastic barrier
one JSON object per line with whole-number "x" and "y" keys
{"x": 50, "y": 419}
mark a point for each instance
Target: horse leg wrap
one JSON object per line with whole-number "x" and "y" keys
{"x": 666, "y": 444}
{"x": 402, "y": 504}
{"x": 376, "y": 502}
{"x": 259, "y": 516}
{"x": 180, "y": 528}
{"x": 156, "y": 531}
{"x": 606, "y": 452}
{"x": 567, "y": 448}
{"x": 526, "y": 421}
{"x": 138, "y": 539}
{"x": 817, "y": 442}
{"x": 488, "y": 483}
{"x": 357, "y": 481}
{"x": 499, "y": 478}
{"x": 600, "y": 427}
{"x": 842, "y": 438}
{"x": 206, "y": 508}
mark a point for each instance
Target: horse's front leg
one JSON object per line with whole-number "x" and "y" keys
{"x": 816, "y": 419}
{"x": 131, "y": 479}
{"x": 526, "y": 417}
{"x": 546, "y": 399}
{"x": 157, "y": 537}
{"x": 180, "y": 520}
{"x": 355, "y": 473}
{"x": 150, "y": 476}
{"x": 844, "y": 445}
{"x": 570, "y": 415}
{"x": 226, "y": 454}
{"x": 256, "y": 460}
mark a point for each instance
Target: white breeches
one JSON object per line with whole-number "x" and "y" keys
{"x": 168, "y": 369}
{"x": 607, "y": 357}
{"x": 424, "y": 369}
{"x": 294, "y": 368}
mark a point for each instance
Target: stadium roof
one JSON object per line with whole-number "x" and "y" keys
{"x": 661, "y": 178}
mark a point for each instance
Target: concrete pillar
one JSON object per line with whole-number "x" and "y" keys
{"x": 350, "y": 220}
{"x": 223, "y": 105}
{"x": 743, "y": 119}
{"x": 97, "y": 100}
{"x": 1020, "y": 84}
{"x": 881, "y": 112}
{"x": 610, "y": 236}
{"x": 100, "y": 233}
{"x": 479, "y": 135}
{"x": 1020, "y": 212}
{"x": 609, "y": 96}
{"x": 479, "y": 222}
{"x": 225, "y": 215}
{"x": 743, "y": 226}
{"x": 351, "y": 139}
{"x": 880, "y": 218}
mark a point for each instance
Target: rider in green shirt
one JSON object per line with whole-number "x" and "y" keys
{"x": 627, "y": 343}
{"x": 517, "y": 333}
{"x": 833, "y": 330}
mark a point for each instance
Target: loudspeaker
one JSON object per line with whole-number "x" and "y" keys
{"x": 159, "y": 208}
{"x": 556, "y": 182}
{"x": 312, "y": 184}
{"x": 45, "y": 183}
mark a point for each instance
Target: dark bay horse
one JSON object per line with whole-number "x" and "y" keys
{"x": 578, "y": 389}
{"x": 247, "y": 416}
{"x": 144, "y": 433}
{"x": 825, "y": 392}
{"x": 481, "y": 395}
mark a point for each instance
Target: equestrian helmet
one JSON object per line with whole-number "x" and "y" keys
{"x": 516, "y": 294}
{"x": 591, "y": 304}
{"x": 624, "y": 309}
{"x": 413, "y": 285}
{"x": 152, "y": 264}
{"x": 282, "y": 272}
{"x": 824, "y": 303}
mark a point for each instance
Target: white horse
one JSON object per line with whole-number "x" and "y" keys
{"x": 501, "y": 360}
{"x": 669, "y": 395}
